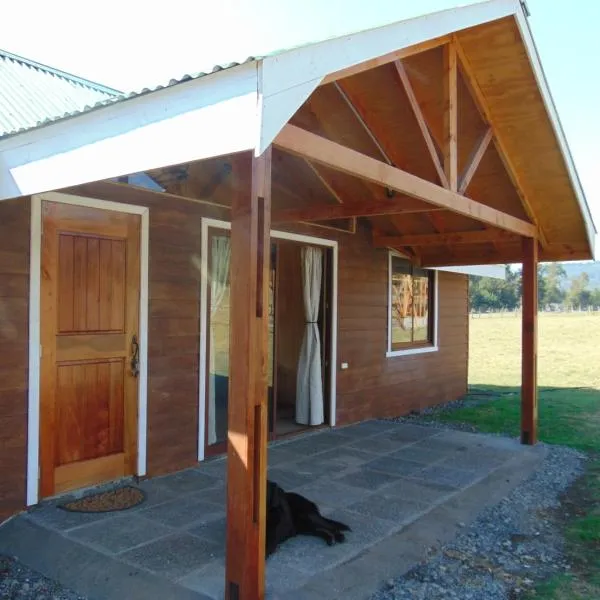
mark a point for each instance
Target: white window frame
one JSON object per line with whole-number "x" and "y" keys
{"x": 436, "y": 301}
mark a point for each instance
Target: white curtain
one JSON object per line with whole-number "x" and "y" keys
{"x": 309, "y": 382}
{"x": 219, "y": 274}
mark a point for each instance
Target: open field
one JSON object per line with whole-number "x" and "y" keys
{"x": 569, "y": 414}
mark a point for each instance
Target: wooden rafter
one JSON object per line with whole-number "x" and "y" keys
{"x": 304, "y": 143}
{"x": 425, "y": 131}
{"x": 480, "y": 102}
{"x": 450, "y": 149}
{"x": 474, "y": 160}
{"x": 394, "y": 206}
{"x": 385, "y": 59}
{"x": 363, "y": 123}
{"x": 324, "y": 181}
{"x": 438, "y": 239}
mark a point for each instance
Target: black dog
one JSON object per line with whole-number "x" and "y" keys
{"x": 290, "y": 514}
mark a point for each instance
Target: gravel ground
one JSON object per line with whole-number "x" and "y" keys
{"x": 18, "y": 582}
{"x": 508, "y": 549}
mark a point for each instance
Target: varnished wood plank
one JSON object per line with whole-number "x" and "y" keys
{"x": 105, "y": 285}
{"x": 93, "y": 285}
{"x": 498, "y": 139}
{"x": 450, "y": 149}
{"x": 66, "y": 283}
{"x": 90, "y": 346}
{"x": 529, "y": 391}
{"x": 84, "y": 473}
{"x": 321, "y": 150}
{"x": 79, "y": 293}
{"x": 433, "y": 239}
{"x": 475, "y": 159}
{"x": 431, "y": 147}
{"x": 68, "y": 433}
{"x": 387, "y": 58}
{"x": 117, "y": 286}
{"x": 247, "y": 414}
{"x": 394, "y": 206}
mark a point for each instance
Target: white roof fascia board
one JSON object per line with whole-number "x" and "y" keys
{"x": 209, "y": 116}
{"x": 290, "y": 77}
{"x": 494, "y": 271}
{"x": 544, "y": 88}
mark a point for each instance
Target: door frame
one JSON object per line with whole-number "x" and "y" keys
{"x": 35, "y": 265}
{"x": 207, "y": 224}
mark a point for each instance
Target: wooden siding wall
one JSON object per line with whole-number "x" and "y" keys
{"x": 290, "y": 321}
{"x": 14, "y": 320}
{"x": 373, "y": 386}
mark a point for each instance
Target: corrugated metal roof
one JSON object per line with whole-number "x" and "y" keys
{"x": 32, "y": 95}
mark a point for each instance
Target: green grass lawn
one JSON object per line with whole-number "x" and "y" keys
{"x": 569, "y": 414}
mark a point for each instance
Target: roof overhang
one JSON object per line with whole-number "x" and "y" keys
{"x": 241, "y": 108}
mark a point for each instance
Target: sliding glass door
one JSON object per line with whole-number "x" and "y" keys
{"x": 218, "y": 341}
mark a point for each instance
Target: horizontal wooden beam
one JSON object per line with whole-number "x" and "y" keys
{"x": 394, "y": 206}
{"x": 450, "y": 239}
{"x": 386, "y": 58}
{"x": 506, "y": 253}
{"x": 318, "y": 149}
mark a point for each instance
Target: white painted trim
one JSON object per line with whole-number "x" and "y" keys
{"x": 494, "y": 271}
{"x": 548, "y": 100}
{"x": 282, "y": 235}
{"x": 33, "y": 401}
{"x": 436, "y": 313}
{"x": 208, "y": 116}
{"x": 33, "y": 419}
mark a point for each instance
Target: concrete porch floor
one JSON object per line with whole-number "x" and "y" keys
{"x": 402, "y": 488}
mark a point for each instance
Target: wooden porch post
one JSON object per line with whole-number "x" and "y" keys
{"x": 247, "y": 435}
{"x": 529, "y": 396}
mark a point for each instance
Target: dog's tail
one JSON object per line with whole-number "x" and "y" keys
{"x": 338, "y": 524}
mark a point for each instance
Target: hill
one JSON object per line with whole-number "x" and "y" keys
{"x": 574, "y": 269}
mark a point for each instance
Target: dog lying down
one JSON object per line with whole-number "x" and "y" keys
{"x": 290, "y": 514}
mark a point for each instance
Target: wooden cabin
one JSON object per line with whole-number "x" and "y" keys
{"x": 278, "y": 245}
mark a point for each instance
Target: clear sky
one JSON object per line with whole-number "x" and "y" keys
{"x": 129, "y": 44}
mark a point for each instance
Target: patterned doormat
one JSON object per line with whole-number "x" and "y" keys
{"x": 112, "y": 500}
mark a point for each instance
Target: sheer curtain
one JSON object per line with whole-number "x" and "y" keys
{"x": 309, "y": 382}
{"x": 219, "y": 275}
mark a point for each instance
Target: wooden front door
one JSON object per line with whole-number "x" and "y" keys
{"x": 90, "y": 295}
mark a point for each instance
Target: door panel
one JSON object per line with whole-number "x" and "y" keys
{"x": 89, "y": 316}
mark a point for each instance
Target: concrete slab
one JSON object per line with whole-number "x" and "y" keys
{"x": 400, "y": 487}
{"x": 367, "y": 478}
{"x": 119, "y": 534}
{"x": 175, "y": 556}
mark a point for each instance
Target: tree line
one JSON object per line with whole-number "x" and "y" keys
{"x": 555, "y": 290}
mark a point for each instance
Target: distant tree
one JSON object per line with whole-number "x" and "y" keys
{"x": 551, "y": 279}
{"x": 488, "y": 293}
{"x": 579, "y": 295}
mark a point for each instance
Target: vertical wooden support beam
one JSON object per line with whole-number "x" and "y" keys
{"x": 247, "y": 418}
{"x": 450, "y": 149}
{"x": 529, "y": 395}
